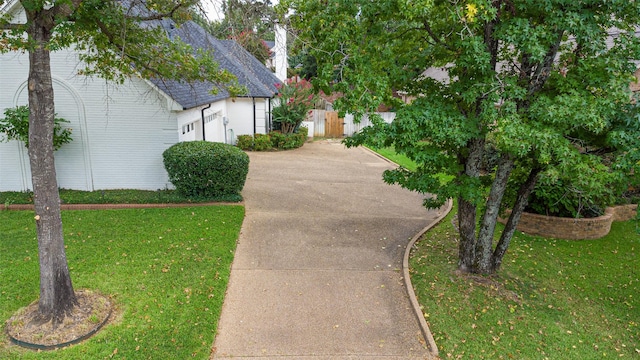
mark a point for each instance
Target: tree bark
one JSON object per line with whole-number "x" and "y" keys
{"x": 57, "y": 296}
{"x": 467, "y": 209}
{"x": 483, "y": 259}
{"x": 467, "y": 227}
{"x": 518, "y": 207}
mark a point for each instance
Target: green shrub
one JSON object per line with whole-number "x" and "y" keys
{"x": 304, "y": 131}
{"x": 262, "y": 142}
{"x": 15, "y": 126}
{"x": 294, "y": 141}
{"x": 245, "y": 142}
{"x": 583, "y": 191}
{"x": 273, "y": 140}
{"x": 277, "y": 139}
{"x": 295, "y": 99}
{"x": 202, "y": 169}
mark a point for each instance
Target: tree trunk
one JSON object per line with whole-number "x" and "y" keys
{"x": 518, "y": 207}
{"x": 57, "y": 297}
{"x": 483, "y": 259}
{"x": 467, "y": 209}
{"x": 467, "y": 228}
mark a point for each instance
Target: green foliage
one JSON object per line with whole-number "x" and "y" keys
{"x": 110, "y": 38}
{"x": 251, "y": 42}
{"x": 293, "y": 141}
{"x": 535, "y": 82}
{"x": 543, "y": 302}
{"x": 274, "y": 140}
{"x": 15, "y": 126}
{"x": 304, "y": 64}
{"x": 244, "y": 15}
{"x": 202, "y": 169}
{"x": 245, "y": 142}
{"x": 277, "y": 139}
{"x": 166, "y": 271}
{"x": 296, "y": 99}
{"x": 262, "y": 142}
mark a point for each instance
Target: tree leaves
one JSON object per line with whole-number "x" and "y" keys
{"x": 543, "y": 82}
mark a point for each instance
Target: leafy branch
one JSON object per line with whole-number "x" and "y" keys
{"x": 15, "y": 126}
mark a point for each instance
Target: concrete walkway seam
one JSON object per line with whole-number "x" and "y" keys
{"x": 426, "y": 332}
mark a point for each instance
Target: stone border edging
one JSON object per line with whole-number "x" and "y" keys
{"x": 118, "y": 206}
{"x": 426, "y": 332}
{"x": 574, "y": 228}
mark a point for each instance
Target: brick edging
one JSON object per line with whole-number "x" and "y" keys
{"x": 574, "y": 229}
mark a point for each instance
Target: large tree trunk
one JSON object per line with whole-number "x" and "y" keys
{"x": 57, "y": 297}
{"x": 467, "y": 209}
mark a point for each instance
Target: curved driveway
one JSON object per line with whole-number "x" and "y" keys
{"x": 317, "y": 272}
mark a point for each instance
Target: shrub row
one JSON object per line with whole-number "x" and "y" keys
{"x": 202, "y": 169}
{"x": 272, "y": 141}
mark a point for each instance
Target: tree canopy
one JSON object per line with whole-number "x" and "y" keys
{"x": 504, "y": 93}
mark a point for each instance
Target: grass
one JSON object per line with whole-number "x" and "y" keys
{"x": 165, "y": 269}
{"x": 407, "y": 163}
{"x": 112, "y": 197}
{"x": 551, "y": 299}
{"x": 399, "y": 159}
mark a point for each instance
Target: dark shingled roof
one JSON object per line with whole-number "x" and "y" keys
{"x": 251, "y": 73}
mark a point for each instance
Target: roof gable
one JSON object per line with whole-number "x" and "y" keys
{"x": 250, "y": 72}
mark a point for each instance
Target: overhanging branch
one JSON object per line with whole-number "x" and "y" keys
{"x": 12, "y": 27}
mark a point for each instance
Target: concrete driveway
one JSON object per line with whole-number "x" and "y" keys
{"x": 317, "y": 272}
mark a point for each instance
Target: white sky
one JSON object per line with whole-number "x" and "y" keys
{"x": 213, "y": 9}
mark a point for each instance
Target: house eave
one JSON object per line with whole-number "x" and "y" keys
{"x": 172, "y": 105}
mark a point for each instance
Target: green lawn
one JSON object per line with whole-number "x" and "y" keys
{"x": 554, "y": 299}
{"x": 123, "y": 196}
{"x": 399, "y": 159}
{"x": 165, "y": 269}
{"x": 407, "y": 163}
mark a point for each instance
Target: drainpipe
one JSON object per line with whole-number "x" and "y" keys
{"x": 269, "y": 118}
{"x": 202, "y": 117}
{"x": 254, "y": 116}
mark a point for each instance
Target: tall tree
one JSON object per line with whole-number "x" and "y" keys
{"x": 249, "y": 22}
{"x": 115, "y": 39}
{"x": 531, "y": 80}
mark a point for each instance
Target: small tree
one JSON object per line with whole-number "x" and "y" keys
{"x": 296, "y": 99}
{"x": 15, "y": 126}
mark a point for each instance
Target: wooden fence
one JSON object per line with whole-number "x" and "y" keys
{"x": 327, "y": 124}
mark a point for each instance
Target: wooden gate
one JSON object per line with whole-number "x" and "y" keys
{"x": 333, "y": 125}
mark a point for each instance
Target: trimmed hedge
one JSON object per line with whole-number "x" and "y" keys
{"x": 262, "y": 142}
{"x": 275, "y": 140}
{"x": 202, "y": 169}
{"x": 245, "y": 142}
